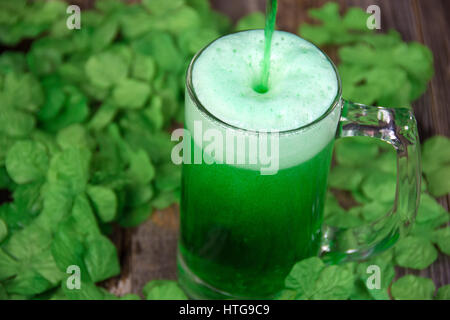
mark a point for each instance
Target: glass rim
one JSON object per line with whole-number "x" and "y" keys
{"x": 211, "y": 116}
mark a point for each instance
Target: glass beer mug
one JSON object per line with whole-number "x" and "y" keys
{"x": 241, "y": 231}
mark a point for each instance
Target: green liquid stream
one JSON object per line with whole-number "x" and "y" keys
{"x": 271, "y": 15}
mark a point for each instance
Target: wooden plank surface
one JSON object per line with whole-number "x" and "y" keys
{"x": 148, "y": 252}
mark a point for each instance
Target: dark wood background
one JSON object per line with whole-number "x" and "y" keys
{"x": 148, "y": 252}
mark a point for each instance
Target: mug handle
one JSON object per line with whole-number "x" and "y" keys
{"x": 397, "y": 127}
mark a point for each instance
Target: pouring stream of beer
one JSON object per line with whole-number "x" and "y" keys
{"x": 271, "y": 15}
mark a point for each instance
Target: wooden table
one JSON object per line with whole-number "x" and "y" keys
{"x": 148, "y": 252}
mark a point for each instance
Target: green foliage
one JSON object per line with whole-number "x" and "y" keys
{"x": 436, "y": 164}
{"x": 104, "y": 201}
{"x": 87, "y": 291}
{"x": 101, "y": 258}
{"x": 443, "y": 293}
{"x": 26, "y": 161}
{"x": 411, "y": 287}
{"x": 442, "y": 238}
{"x": 255, "y": 20}
{"x": 143, "y": 68}
{"x": 3, "y": 230}
{"x": 106, "y": 69}
{"x": 311, "y": 279}
{"x": 439, "y": 181}
{"x": 83, "y": 134}
{"x": 20, "y": 20}
{"x": 414, "y": 252}
{"x": 163, "y": 290}
{"x": 366, "y": 168}
{"x": 368, "y": 59}
{"x": 130, "y": 94}
{"x": 335, "y": 29}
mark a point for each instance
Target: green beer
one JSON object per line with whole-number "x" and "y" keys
{"x": 243, "y": 230}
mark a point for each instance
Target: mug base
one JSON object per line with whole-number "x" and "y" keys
{"x": 197, "y": 289}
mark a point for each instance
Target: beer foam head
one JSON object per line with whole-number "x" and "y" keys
{"x": 302, "y": 82}
{"x": 302, "y": 87}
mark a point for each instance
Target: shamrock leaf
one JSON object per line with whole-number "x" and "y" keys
{"x": 334, "y": 29}
{"x": 364, "y": 67}
{"x": 410, "y": 287}
{"x": 161, "y": 6}
{"x": 311, "y": 279}
{"x": 87, "y": 291}
{"x": 194, "y": 40}
{"x": 430, "y": 215}
{"x": 356, "y": 151}
{"x": 22, "y": 91}
{"x": 436, "y": 164}
{"x": 442, "y": 239}
{"x": 137, "y": 215}
{"x": 143, "y": 67}
{"x": 380, "y": 186}
{"x": 15, "y": 123}
{"x": 443, "y": 293}
{"x": 334, "y": 283}
{"x": 104, "y": 116}
{"x": 131, "y": 94}
{"x": 162, "y": 48}
{"x": 255, "y": 20}
{"x": 73, "y": 136}
{"x": 70, "y": 167}
{"x": 106, "y": 69}
{"x": 163, "y": 290}
{"x": 164, "y": 199}
{"x": 304, "y": 275}
{"x": 105, "y": 202}
{"x": 3, "y": 230}
{"x": 345, "y": 177}
{"x": 68, "y": 249}
{"x": 414, "y": 252}
{"x": 27, "y": 161}
{"x": 101, "y": 258}
{"x": 435, "y": 153}
{"x": 105, "y": 33}
{"x": 439, "y": 181}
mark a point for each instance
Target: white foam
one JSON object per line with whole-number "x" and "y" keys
{"x": 302, "y": 87}
{"x": 302, "y": 83}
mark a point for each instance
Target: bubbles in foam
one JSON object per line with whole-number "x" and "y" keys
{"x": 302, "y": 83}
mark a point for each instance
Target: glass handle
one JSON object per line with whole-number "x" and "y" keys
{"x": 398, "y": 128}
